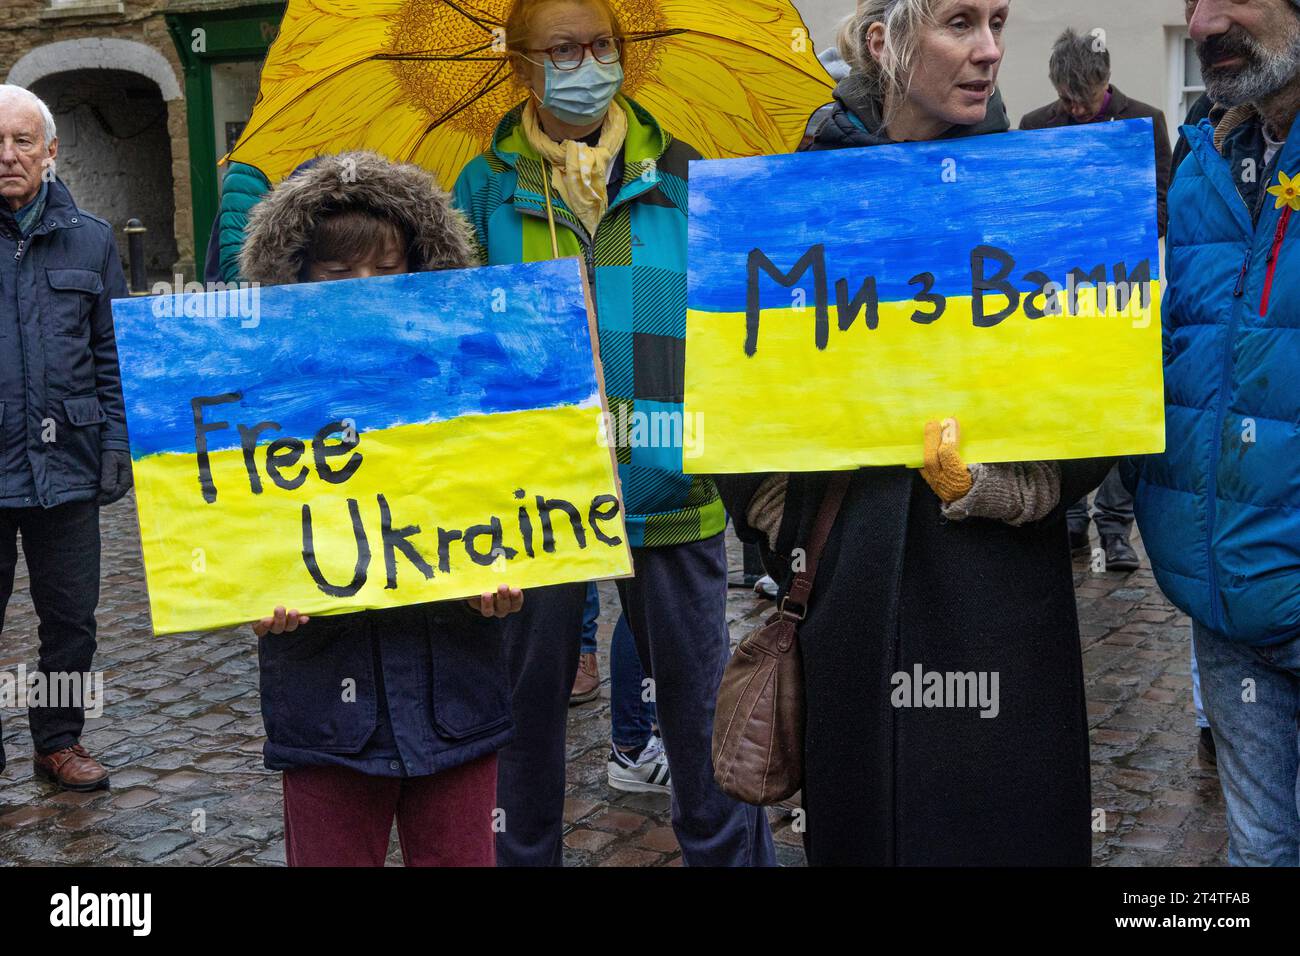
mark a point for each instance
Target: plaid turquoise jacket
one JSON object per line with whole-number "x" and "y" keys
{"x": 637, "y": 265}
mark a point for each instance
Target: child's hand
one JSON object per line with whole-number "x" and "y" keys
{"x": 281, "y": 622}
{"x": 504, "y": 602}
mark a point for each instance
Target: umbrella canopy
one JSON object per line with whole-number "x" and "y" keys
{"x": 427, "y": 81}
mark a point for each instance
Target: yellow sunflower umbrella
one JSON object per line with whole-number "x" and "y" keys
{"x": 426, "y": 81}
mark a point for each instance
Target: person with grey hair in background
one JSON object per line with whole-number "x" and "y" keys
{"x": 63, "y": 446}
{"x": 1080, "y": 71}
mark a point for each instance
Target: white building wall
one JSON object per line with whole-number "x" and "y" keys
{"x": 1144, "y": 38}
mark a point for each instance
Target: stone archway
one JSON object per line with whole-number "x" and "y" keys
{"x": 93, "y": 53}
{"x": 111, "y": 100}
{"x": 115, "y": 154}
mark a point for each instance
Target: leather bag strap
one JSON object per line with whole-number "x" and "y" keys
{"x": 801, "y": 587}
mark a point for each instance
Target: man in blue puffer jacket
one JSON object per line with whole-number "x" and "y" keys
{"x": 1220, "y": 509}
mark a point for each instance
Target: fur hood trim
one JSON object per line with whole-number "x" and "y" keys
{"x": 280, "y": 226}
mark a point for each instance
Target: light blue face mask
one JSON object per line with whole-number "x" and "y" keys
{"x": 582, "y": 96}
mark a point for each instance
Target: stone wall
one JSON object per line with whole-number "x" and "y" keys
{"x": 28, "y": 26}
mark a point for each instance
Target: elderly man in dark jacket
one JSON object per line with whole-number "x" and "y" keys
{"x": 1080, "y": 71}
{"x": 63, "y": 447}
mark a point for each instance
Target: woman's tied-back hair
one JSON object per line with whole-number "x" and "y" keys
{"x": 519, "y": 23}
{"x": 885, "y": 79}
{"x": 1079, "y": 65}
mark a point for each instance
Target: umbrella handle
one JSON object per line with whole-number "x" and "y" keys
{"x": 550, "y": 209}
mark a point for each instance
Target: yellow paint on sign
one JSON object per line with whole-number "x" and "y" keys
{"x": 1075, "y": 385}
{"x": 196, "y": 554}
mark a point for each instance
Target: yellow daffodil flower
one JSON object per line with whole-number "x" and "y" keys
{"x": 1287, "y": 191}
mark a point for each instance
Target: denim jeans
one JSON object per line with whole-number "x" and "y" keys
{"x": 677, "y": 609}
{"x": 1201, "y": 720}
{"x": 631, "y": 713}
{"x": 631, "y": 707}
{"x": 1252, "y": 698}
{"x": 61, "y": 545}
{"x": 590, "y": 620}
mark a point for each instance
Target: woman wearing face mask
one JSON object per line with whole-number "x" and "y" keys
{"x": 953, "y": 570}
{"x": 578, "y": 169}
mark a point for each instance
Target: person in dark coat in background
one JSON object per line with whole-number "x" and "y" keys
{"x": 954, "y": 569}
{"x": 418, "y": 737}
{"x": 1080, "y": 71}
{"x": 63, "y": 446}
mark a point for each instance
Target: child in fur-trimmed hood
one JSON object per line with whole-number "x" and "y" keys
{"x": 418, "y": 738}
{"x": 282, "y": 227}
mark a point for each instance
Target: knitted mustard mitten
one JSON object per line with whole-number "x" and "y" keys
{"x": 944, "y": 471}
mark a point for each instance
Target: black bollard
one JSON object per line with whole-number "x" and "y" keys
{"x": 135, "y": 231}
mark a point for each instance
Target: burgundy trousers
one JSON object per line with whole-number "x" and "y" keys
{"x": 339, "y": 817}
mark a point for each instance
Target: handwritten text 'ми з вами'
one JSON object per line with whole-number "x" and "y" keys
{"x": 1132, "y": 292}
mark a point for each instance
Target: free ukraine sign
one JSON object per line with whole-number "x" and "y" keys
{"x": 367, "y": 443}
{"x": 839, "y": 300}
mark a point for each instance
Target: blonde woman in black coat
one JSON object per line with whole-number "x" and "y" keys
{"x": 953, "y": 568}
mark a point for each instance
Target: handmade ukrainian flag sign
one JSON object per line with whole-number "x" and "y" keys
{"x": 839, "y": 300}
{"x": 367, "y": 443}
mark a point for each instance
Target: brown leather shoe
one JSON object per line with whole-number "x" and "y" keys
{"x": 586, "y": 686}
{"x": 72, "y": 768}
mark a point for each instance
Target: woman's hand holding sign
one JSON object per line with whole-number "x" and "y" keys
{"x": 944, "y": 471}
{"x": 1012, "y": 492}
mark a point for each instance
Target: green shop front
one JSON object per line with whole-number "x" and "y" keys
{"x": 222, "y": 44}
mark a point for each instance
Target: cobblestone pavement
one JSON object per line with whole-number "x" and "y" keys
{"x": 182, "y": 734}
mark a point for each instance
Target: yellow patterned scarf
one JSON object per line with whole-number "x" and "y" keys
{"x": 580, "y": 172}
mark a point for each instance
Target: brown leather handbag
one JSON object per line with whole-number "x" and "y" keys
{"x": 759, "y": 721}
